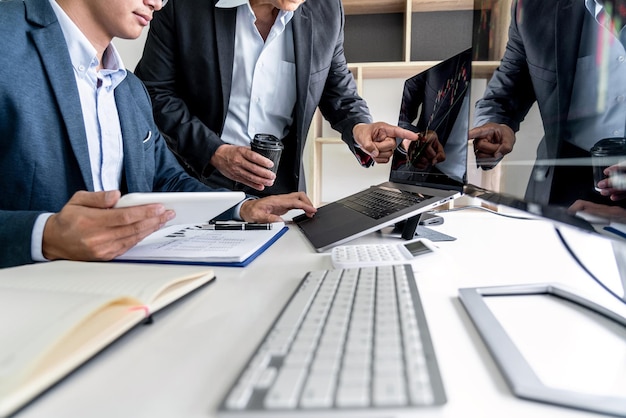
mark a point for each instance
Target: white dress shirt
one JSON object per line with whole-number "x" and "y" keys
{"x": 263, "y": 93}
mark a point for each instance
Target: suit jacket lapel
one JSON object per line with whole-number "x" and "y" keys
{"x": 303, "y": 39}
{"x": 225, "y": 23}
{"x": 133, "y": 147}
{"x": 51, "y": 44}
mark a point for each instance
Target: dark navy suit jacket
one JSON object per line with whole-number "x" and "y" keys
{"x": 44, "y": 158}
{"x": 187, "y": 66}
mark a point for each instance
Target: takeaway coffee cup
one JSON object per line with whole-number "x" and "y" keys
{"x": 268, "y": 146}
{"x": 606, "y": 152}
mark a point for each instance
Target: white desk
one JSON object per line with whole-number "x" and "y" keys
{"x": 182, "y": 364}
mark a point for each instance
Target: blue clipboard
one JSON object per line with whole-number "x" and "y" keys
{"x": 243, "y": 263}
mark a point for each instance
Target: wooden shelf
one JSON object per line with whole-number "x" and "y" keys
{"x": 484, "y": 69}
{"x": 329, "y": 140}
{"x": 367, "y": 70}
{"x": 358, "y": 7}
{"x": 398, "y": 69}
{"x": 499, "y": 21}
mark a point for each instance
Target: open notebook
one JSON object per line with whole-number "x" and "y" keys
{"x": 58, "y": 315}
{"x": 434, "y": 100}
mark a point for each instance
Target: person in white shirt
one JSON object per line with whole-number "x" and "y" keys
{"x": 221, "y": 71}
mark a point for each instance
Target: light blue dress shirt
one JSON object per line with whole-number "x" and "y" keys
{"x": 102, "y": 126}
{"x": 263, "y": 93}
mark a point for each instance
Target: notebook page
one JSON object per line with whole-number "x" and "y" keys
{"x": 140, "y": 281}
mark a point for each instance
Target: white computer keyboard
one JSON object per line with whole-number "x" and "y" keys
{"x": 367, "y": 255}
{"x": 349, "y": 340}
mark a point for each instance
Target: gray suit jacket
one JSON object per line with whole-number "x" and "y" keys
{"x": 187, "y": 67}
{"x": 538, "y": 65}
{"x": 44, "y": 158}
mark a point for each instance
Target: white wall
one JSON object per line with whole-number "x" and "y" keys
{"x": 131, "y": 49}
{"x": 341, "y": 173}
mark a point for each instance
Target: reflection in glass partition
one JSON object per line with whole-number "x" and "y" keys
{"x": 550, "y": 121}
{"x": 566, "y": 63}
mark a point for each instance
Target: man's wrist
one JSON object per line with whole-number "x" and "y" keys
{"x": 237, "y": 212}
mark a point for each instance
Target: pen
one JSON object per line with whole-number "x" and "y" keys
{"x": 240, "y": 226}
{"x": 615, "y": 231}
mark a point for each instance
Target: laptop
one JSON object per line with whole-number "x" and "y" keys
{"x": 434, "y": 100}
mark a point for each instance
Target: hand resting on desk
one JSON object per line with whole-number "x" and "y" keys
{"x": 598, "y": 213}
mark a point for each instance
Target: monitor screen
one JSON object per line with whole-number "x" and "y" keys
{"x": 435, "y": 103}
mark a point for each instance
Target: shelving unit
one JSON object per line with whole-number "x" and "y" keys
{"x": 498, "y": 11}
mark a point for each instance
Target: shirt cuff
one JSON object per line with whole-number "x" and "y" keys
{"x": 364, "y": 159}
{"x": 36, "y": 240}
{"x": 237, "y": 215}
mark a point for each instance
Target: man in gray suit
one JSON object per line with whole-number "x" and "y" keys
{"x": 569, "y": 57}
{"x": 220, "y": 72}
{"x": 76, "y": 128}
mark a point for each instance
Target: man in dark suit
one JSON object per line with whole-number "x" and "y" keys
{"x": 552, "y": 57}
{"x": 220, "y": 72}
{"x": 75, "y": 128}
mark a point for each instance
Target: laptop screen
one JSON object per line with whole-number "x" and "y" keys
{"x": 436, "y": 100}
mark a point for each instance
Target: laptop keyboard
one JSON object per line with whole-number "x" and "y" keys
{"x": 378, "y": 203}
{"x": 351, "y": 340}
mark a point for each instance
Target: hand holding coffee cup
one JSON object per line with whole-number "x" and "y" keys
{"x": 268, "y": 146}
{"x": 606, "y": 153}
{"x": 614, "y": 185}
